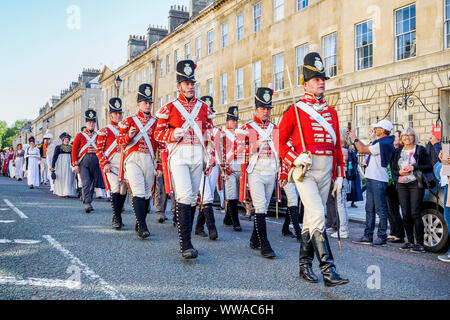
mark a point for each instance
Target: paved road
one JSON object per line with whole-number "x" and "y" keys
{"x": 49, "y": 249}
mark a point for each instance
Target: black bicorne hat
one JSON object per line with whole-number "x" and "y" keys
{"x": 312, "y": 67}
{"x": 209, "y": 101}
{"x": 186, "y": 71}
{"x": 90, "y": 115}
{"x": 65, "y": 135}
{"x": 115, "y": 105}
{"x": 233, "y": 113}
{"x": 263, "y": 98}
{"x": 145, "y": 93}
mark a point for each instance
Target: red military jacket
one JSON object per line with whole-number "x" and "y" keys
{"x": 130, "y": 144}
{"x": 318, "y": 141}
{"x": 248, "y": 136}
{"x": 107, "y": 143}
{"x": 169, "y": 118}
{"x": 80, "y": 147}
{"x": 230, "y": 145}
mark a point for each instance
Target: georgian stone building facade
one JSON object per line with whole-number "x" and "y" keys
{"x": 371, "y": 49}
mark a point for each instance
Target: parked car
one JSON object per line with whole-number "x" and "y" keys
{"x": 436, "y": 237}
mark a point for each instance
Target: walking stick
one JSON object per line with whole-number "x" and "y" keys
{"x": 203, "y": 193}
{"x": 299, "y": 126}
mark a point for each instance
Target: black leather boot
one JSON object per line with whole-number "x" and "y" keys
{"x": 293, "y": 214}
{"x": 122, "y": 198}
{"x": 287, "y": 220}
{"x": 323, "y": 252}
{"x": 193, "y": 210}
{"x": 254, "y": 240}
{"x": 183, "y": 212}
{"x": 174, "y": 212}
{"x": 227, "y": 219}
{"x": 117, "y": 213}
{"x": 199, "y": 226}
{"x": 306, "y": 258}
{"x": 147, "y": 206}
{"x": 234, "y": 214}
{"x": 261, "y": 230}
{"x": 139, "y": 207}
{"x": 208, "y": 216}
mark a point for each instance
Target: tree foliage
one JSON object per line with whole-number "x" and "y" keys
{"x": 7, "y": 134}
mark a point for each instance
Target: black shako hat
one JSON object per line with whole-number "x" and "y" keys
{"x": 263, "y": 97}
{"x": 186, "y": 71}
{"x": 233, "y": 113}
{"x": 145, "y": 93}
{"x": 209, "y": 101}
{"x": 115, "y": 105}
{"x": 90, "y": 115}
{"x": 65, "y": 135}
{"x": 312, "y": 67}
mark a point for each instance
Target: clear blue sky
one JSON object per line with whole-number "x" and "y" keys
{"x": 40, "y": 55}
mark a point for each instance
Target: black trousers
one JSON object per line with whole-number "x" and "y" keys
{"x": 91, "y": 176}
{"x": 395, "y": 219}
{"x": 411, "y": 197}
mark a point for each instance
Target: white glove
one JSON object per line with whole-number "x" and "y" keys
{"x": 178, "y": 133}
{"x": 303, "y": 160}
{"x": 337, "y": 186}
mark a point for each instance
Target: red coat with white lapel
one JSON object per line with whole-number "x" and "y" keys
{"x": 78, "y": 144}
{"x": 317, "y": 139}
{"x": 169, "y": 118}
{"x": 106, "y": 138}
{"x": 123, "y": 139}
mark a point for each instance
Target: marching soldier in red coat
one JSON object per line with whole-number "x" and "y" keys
{"x": 109, "y": 157}
{"x": 316, "y": 159}
{"x": 233, "y": 162}
{"x": 184, "y": 125}
{"x": 85, "y": 161}
{"x": 138, "y": 164}
{"x": 259, "y": 139}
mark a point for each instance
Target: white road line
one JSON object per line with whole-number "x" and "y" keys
{"x": 4, "y": 209}
{"x": 40, "y": 282}
{"x": 19, "y": 241}
{"x": 7, "y": 221}
{"x": 20, "y": 213}
{"x": 106, "y": 288}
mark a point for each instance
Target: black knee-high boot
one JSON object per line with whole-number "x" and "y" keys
{"x": 323, "y": 252}
{"x": 293, "y": 213}
{"x": 183, "y": 213}
{"x": 261, "y": 230}
{"x": 306, "y": 258}
{"x": 199, "y": 226}
{"x": 139, "y": 211}
{"x": 287, "y": 220}
{"x": 208, "y": 216}
{"x": 117, "y": 213}
{"x": 234, "y": 214}
{"x": 227, "y": 218}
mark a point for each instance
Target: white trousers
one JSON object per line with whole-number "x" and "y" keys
{"x": 232, "y": 186}
{"x": 113, "y": 179}
{"x": 291, "y": 194}
{"x": 186, "y": 167}
{"x": 314, "y": 191}
{"x": 44, "y": 170}
{"x": 261, "y": 189}
{"x": 140, "y": 173}
{"x": 210, "y": 185}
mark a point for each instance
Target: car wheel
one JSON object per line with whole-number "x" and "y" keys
{"x": 436, "y": 230}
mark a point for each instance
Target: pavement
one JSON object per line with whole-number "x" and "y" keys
{"x": 51, "y": 249}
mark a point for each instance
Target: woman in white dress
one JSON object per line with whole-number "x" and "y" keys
{"x": 32, "y": 155}
{"x": 19, "y": 155}
{"x": 12, "y": 169}
{"x": 62, "y": 174}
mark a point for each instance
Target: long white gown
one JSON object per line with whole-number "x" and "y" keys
{"x": 65, "y": 178}
{"x": 18, "y": 161}
{"x": 33, "y": 155}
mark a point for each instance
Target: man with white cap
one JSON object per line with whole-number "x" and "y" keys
{"x": 377, "y": 175}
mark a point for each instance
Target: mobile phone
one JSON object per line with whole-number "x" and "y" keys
{"x": 349, "y": 125}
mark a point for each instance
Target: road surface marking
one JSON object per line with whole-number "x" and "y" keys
{"x": 4, "y": 209}
{"x": 106, "y": 288}
{"x": 40, "y": 282}
{"x": 20, "y": 213}
{"x": 7, "y": 221}
{"x": 19, "y": 241}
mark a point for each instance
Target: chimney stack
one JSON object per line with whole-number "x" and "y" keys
{"x": 178, "y": 15}
{"x": 136, "y": 45}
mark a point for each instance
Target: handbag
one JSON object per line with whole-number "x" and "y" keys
{"x": 426, "y": 180}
